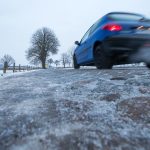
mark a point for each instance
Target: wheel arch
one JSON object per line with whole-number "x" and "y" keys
{"x": 95, "y": 45}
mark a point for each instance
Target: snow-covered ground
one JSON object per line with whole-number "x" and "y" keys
{"x": 67, "y": 109}
{"x": 10, "y": 73}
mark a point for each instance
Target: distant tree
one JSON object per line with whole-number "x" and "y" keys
{"x": 7, "y": 60}
{"x": 71, "y": 50}
{"x": 70, "y": 54}
{"x": 69, "y": 62}
{"x": 50, "y": 61}
{"x": 43, "y": 43}
{"x": 64, "y": 59}
{"x": 56, "y": 62}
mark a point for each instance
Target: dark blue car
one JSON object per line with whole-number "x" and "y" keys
{"x": 112, "y": 40}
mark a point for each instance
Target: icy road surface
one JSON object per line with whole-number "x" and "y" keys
{"x": 66, "y": 109}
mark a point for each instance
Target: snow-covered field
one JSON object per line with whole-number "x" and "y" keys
{"x": 10, "y": 73}
{"x": 66, "y": 109}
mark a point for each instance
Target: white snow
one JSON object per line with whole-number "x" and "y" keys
{"x": 74, "y": 109}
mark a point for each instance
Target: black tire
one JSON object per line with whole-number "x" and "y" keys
{"x": 148, "y": 66}
{"x": 76, "y": 66}
{"x": 101, "y": 59}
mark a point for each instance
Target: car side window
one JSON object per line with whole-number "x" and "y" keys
{"x": 90, "y": 31}
{"x": 95, "y": 26}
{"x": 85, "y": 37}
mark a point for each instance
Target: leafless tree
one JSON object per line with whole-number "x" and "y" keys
{"x": 7, "y": 59}
{"x": 56, "y": 62}
{"x": 71, "y": 50}
{"x": 64, "y": 59}
{"x": 69, "y": 62}
{"x": 50, "y": 61}
{"x": 70, "y": 54}
{"x": 43, "y": 43}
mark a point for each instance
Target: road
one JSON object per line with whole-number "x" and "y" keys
{"x": 67, "y": 109}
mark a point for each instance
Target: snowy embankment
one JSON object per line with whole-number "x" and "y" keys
{"x": 68, "y": 109}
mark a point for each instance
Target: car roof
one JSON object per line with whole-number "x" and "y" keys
{"x": 123, "y": 13}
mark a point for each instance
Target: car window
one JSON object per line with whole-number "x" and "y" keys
{"x": 90, "y": 31}
{"x": 127, "y": 17}
{"x": 85, "y": 37}
{"x": 95, "y": 26}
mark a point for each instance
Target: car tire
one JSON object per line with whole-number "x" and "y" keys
{"x": 148, "y": 66}
{"x": 101, "y": 59}
{"x": 76, "y": 65}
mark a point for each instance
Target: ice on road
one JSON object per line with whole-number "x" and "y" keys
{"x": 67, "y": 109}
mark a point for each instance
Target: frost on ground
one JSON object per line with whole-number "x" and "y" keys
{"x": 66, "y": 109}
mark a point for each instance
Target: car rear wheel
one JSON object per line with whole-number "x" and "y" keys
{"x": 148, "y": 66}
{"x": 102, "y": 61}
{"x": 76, "y": 66}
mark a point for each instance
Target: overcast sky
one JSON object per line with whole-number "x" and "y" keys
{"x": 69, "y": 19}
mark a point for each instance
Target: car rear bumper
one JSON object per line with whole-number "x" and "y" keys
{"x": 126, "y": 43}
{"x": 125, "y": 48}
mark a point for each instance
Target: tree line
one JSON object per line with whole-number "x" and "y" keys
{"x": 44, "y": 44}
{"x": 66, "y": 59}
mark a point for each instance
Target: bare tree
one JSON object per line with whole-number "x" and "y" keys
{"x": 7, "y": 59}
{"x": 64, "y": 59}
{"x": 70, "y": 54}
{"x": 69, "y": 62}
{"x": 56, "y": 62}
{"x": 50, "y": 61}
{"x": 71, "y": 50}
{"x": 43, "y": 43}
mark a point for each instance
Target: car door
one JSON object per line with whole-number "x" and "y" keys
{"x": 86, "y": 44}
{"x": 92, "y": 38}
{"x": 81, "y": 52}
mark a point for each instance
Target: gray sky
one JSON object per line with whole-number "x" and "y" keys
{"x": 69, "y": 19}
